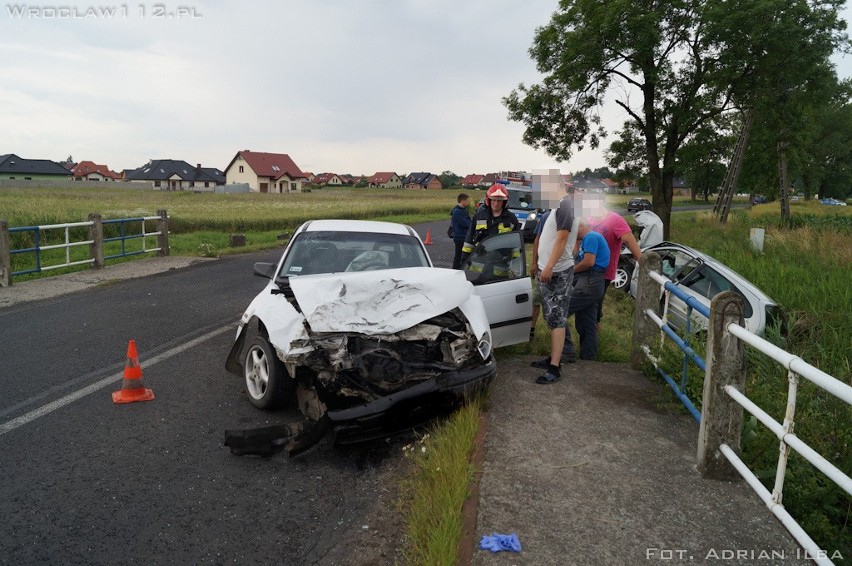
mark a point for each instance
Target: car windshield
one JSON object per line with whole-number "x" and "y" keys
{"x": 520, "y": 199}
{"x": 333, "y": 251}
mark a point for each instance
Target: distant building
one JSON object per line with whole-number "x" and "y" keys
{"x": 473, "y": 181}
{"x": 175, "y": 175}
{"x": 489, "y": 179}
{"x": 265, "y": 172}
{"x": 14, "y": 167}
{"x": 680, "y": 187}
{"x": 423, "y": 181}
{"x": 91, "y": 171}
{"x": 328, "y": 179}
{"x": 385, "y": 179}
{"x": 586, "y": 185}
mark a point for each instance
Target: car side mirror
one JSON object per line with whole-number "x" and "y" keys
{"x": 265, "y": 269}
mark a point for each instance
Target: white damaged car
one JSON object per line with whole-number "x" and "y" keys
{"x": 359, "y": 327}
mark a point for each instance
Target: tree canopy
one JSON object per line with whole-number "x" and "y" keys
{"x": 676, "y": 69}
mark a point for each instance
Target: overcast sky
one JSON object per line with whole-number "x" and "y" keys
{"x": 345, "y": 86}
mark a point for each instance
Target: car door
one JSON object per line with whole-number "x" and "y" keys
{"x": 677, "y": 265}
{"x": 497, "y": 267}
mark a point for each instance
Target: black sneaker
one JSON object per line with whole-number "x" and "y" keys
{"x": 569, "y": 358}
{"x": 541, "y": 364}
{"x": 548, "y": 377}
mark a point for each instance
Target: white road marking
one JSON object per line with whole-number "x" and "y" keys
{"x": 80, "y": 393}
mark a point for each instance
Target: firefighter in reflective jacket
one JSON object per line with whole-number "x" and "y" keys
{"x": 491, "y": 218}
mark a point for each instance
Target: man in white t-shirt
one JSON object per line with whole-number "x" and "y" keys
{"x": 555, "y": 275}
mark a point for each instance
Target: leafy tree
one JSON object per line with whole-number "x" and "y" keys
{"x": 599, "y": 173}
{"x": 627, "y": 153}
{"x": 450, "y": 179}
{"x": 672, "y": 67}
{"x": 782, "y": 73}
{"x": 827, "y": 168}
{"x": 702, "y": 158}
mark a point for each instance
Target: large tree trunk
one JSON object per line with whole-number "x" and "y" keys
{"x": 664, "y": 211}
{"x": 661, "y": 202}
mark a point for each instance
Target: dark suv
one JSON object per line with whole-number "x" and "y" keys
{"x": 636, "y": 204}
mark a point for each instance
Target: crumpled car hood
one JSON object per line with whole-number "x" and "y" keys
{"x": 368, "y": 350}
{"x": 370, "y": 303}
{"x": 379, "y": 302}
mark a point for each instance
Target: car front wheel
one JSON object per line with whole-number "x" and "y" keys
{"x": 622, "y": 276}
{"x": 267, "y": 382}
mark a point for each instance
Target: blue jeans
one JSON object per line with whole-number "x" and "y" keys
{"x": 589, "y": 287}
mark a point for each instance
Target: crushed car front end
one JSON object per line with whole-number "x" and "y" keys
{"x": 373, "y": 352}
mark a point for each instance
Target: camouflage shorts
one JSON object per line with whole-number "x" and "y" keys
{"x": 555, "y": 297}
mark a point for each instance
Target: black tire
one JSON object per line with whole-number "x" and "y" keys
{"x": 267, "y": 383}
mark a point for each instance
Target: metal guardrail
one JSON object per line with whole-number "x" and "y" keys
{"x": 37, "y": 248}
{"x": 95, "y": 241}
{"x": 123, "y": 237}
{"x": 724, "y": 382}
{"x": 796, "y": 367}
{"x": 682, "y": 343}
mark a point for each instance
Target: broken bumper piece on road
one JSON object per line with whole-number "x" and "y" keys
{"x": 375, "y": 419}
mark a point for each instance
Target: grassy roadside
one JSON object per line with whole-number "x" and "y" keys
{"x": 438, "y": 487}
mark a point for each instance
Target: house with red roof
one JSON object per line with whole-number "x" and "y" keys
{"x": 385, "y": 179}
{"x": 328, "y": 179}
{"x": 473, "y": 180}
{"x": 489, "y": 179}
{"x": 91, "y": 171}
{"x": 265, "y": 172}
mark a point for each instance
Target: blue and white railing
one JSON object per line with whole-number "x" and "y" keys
{"x": 724, "y": 398}
{"x": 129, "y": 229}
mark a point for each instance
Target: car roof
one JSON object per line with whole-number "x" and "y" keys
{"x": 372, "y": 226}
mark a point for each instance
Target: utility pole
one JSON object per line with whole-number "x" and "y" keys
{"x": 729, "y": 183}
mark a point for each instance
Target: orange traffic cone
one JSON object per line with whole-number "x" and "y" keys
{"x": 132, "y": 388}
{"x": 428, "y": 239}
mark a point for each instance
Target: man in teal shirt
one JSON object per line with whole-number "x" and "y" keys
{"x": 590, "y": 265}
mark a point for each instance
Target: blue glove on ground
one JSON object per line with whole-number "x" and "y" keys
{"x": 497, "y": 542}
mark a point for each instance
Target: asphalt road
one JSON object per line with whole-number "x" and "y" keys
{"x": 86, "y": 481}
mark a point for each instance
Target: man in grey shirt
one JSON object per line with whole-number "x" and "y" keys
{"x": 555, "y": 275}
